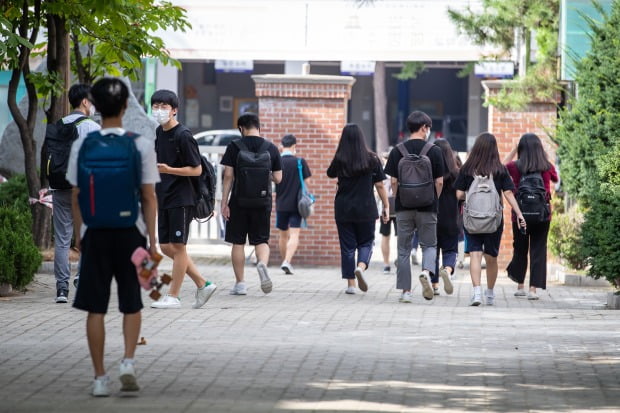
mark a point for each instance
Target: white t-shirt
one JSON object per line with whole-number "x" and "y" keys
{"x": 83, "y": 128}
{"x": 150, "y": 174}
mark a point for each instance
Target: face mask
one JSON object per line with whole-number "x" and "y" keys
{"x": 428, "y": 133}
{"x": 161, "y": 116}
{"x": 91, "y": 110}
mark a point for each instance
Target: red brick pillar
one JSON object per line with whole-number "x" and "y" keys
{"x": 508, "y": 126}
{"x": 314, "y": 109}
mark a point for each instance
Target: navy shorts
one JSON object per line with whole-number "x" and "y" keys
{"x": 487, "y": 243}
{"x": 385, "y": 230}
{"x": 173, "y": 224}
{"x": 106, "y": 254}
{"x": 288, "y": 219}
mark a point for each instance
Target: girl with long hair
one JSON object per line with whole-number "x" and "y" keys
{"x": 447, "y": 221}
{"x": 532, "y": 159}
{"x": 358, "y": 170}
{"x": 484, "y": 160}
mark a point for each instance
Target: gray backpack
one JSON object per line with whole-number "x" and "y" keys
{"x": 482, "y": 213}
{"x": 416, "y": 187}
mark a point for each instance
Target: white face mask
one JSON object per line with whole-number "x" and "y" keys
{"x": 92, "y": 110}
{"x": 428, "y": 133}
{"x": 162, "y": 116}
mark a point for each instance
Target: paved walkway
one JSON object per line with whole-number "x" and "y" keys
{"x": 309, "y": 347}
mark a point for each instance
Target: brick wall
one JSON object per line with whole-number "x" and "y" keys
{"x": 508, "y": 126}
{"x": 314, "y": 109}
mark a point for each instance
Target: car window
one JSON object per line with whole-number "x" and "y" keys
{"x": 224, "y": 140}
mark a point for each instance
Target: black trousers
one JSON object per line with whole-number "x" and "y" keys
{"x": 536, "y": 241}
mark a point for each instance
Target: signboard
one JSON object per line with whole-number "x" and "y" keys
{"x": 235, "y": 66}
{"x": 495, "y": 70}
{"x": 357, "y": 67}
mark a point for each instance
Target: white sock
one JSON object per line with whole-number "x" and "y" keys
{"x": 477, "y": 290}
{"x": 130, "y": 361}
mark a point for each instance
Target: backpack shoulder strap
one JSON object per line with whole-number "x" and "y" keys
{"x": 402, "y": 149}
{"x": 264, "y": 147}
{"x": 79, "y": 120}
{"x": 427, "y": 147}
{"x": 240, "y": 145}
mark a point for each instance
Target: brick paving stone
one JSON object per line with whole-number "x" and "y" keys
{"x": 307, "y": 346}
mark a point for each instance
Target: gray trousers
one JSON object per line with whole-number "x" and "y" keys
{"x": 62, "y": 218}
{"x": 407, "y": 222}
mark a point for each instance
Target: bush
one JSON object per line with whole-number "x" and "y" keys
{"x": 14, "y": 192}
{"x": 565, "y": 237}
{"x": 19, "y": 256}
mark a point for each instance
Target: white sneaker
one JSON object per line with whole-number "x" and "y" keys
{"x": 361, "y": 283}
{"x": 490, "y": 295}
{"x": 405, "y": 297}
{"x": 350, "y": 290}
{"x": 520, "y": 293}
{"x": 100, "y": 387}
{"x": 203, "y": 294}
{"x": 265, "y": 281}
{"x": 532, "y": 296}
{"x": 447, "y": 282}
{"x": 287, "y": 268}
{"x": 239, "y": 289}
{"x": 127, "y": 376}
{"x": 476, "y": 298}
{"x": 167, "y": 301}
{"x": 427, "y": 290}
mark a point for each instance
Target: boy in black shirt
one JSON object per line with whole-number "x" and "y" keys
{"x": 178, "y": 159}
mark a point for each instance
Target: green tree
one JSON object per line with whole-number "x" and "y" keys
{"x": 117, "y": 34}
{"x": 508, "y": 24}
{"x": 589, "y": 137}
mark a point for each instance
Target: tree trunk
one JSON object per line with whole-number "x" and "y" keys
{"x": 380, "y": 105}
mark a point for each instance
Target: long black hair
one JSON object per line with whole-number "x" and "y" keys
{"x": 531, "y": 154}
{"x": 450, "y": 158}
{"x": 484, "y": 157}
{"x": 353, "y": 158}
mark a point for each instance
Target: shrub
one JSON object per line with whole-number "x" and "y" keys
{"x": 19, "y": 256}
{"x": 565, "y": 237}
{"x": 14, "y": 192}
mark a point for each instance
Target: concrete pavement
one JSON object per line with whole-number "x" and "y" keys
{"x": 307, "y": 346}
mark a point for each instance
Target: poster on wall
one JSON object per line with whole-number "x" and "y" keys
{"x": 192, "y": 113}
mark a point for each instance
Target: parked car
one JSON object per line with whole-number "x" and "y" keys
{"x": 219, "y": 137}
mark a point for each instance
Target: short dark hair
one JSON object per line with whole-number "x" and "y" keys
{"x": 248, "y": 120}
{"x": 167, "y": 97}
{"x": 110, "y": 96}
{"x": 416, "y": 120}
{"x": 77, "y": 93}
{"x": 289, "y": 140}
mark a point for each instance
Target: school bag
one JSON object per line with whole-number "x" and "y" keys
{"x": 305, "y": 200}
{"x": 482, "y": 213}
{"x": 416, "y": 187}
{"x": 532, "y": 198}
{"x": 204, "y": 187}
{"x": 253, "y": 176}
{"x": 109, "y": 179}
{"x": 59, "y": 137}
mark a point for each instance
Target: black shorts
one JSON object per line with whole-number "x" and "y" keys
{"x": 106, "y": 253}
{"x": 288, "y": 219}
{"x": 385, "y": 230}
{"x": 173, "y": 224}
{"x": 251, "y": 223}
{"x": 487, "y": 243}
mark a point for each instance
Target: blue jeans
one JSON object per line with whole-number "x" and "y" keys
{"x": 355, "y": 236}
{"x": 449, "y": 248}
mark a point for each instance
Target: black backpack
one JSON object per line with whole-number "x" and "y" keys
{"x": 253, "y": 176}
{"x": 532, "y": 198}
{"x": 59, "y": 137}
{"x": 416, "y": 186}
{"x": 204, "y": 187}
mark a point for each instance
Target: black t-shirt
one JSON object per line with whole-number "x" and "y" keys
{"x": 415, "y": 146}
{"x": 355, "y": 201}
{"x": 253, "y": 144}
{"x": 448, "y": 210}
{"x": 288, "y": 188}
{"x": 503, "y": 182}
{"x": 176, "y": 148}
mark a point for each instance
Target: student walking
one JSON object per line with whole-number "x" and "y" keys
{"x": 57, "y": 147}
{"x": 531, "y": 175}
{"x": 447, "y": 221}
{"x": 358, "y": 170}
{"x": 480, "y": 182}
{"x": 288, "y": 220}
{"x": 113, "y": 215}
{"x": 250, "y": 165}
{"x": 417, "y": 170}
{"x": 178, "y": 159}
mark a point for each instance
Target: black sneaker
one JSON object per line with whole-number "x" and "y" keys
{"x": 76, "y": 280}
{"x": 386, "y": 269}
{"x": 62, "y": 296}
